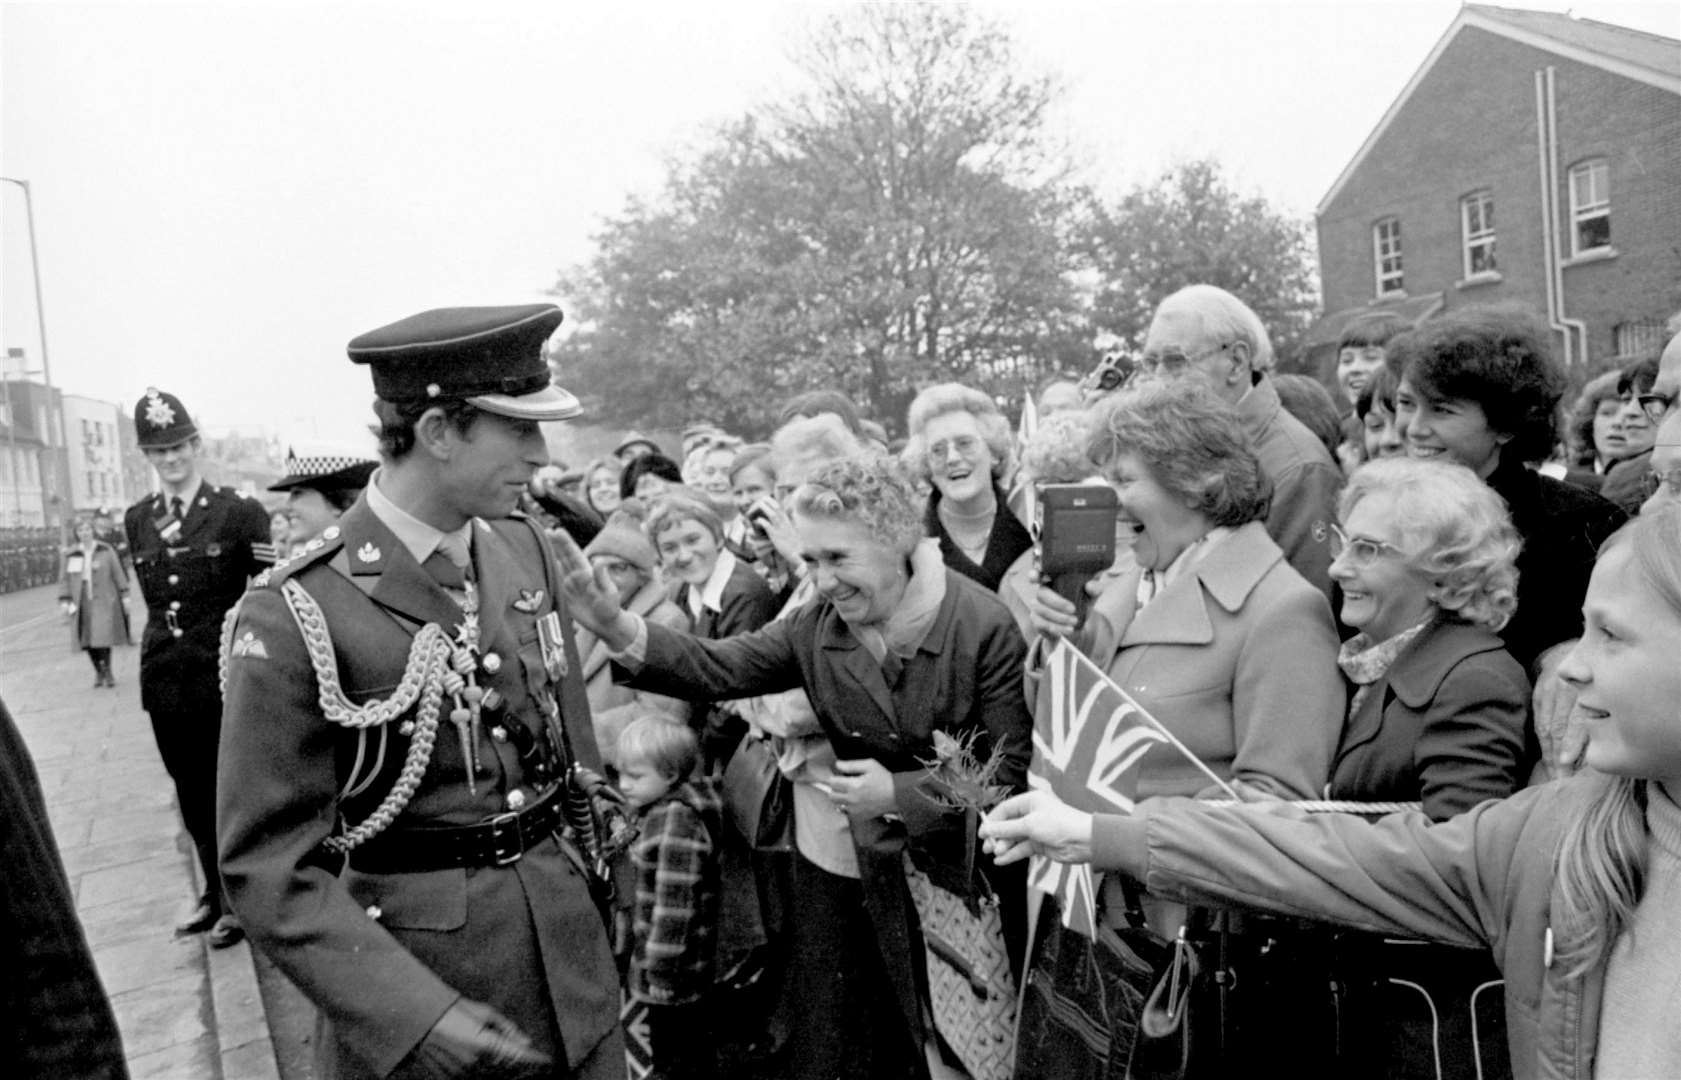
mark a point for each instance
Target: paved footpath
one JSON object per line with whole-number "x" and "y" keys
{"x": 187, "y": 1012}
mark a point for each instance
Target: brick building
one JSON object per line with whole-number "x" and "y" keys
{"x": 1533, "y": 158}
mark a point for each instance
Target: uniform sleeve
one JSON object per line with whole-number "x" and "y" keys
{"x": 1287, "y": 695}
{"x": 1402, "y": 874}
{"x": 1304, "y": 503}
{"x": 251, "y": 525}
{"x": 1471, "y": 747}
{"x": 277, "y": 788}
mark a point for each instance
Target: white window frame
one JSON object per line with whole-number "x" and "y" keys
{"x": 1482, "y": 236}
{"x": 1386, "y": 248}
{"x": 1589, "y": 201}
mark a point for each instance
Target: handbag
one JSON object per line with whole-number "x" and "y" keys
{"x": 971, "y": 991}
{"x": 1110, "y": 1007}
{"x": 758, "y": 798}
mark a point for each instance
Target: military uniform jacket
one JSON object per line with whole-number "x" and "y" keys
{"x": 190, "y": 578}
{"x": 383, "y": 955}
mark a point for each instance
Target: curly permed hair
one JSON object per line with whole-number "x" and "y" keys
{"x": 943, "y": 398}
{"x": 1456, "y": 532}
{"x": 875, "y": 491}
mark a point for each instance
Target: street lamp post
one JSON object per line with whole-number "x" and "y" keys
{"x": 55, "y": 406}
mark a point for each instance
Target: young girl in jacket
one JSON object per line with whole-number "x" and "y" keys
{"x": 1574, "y": 885}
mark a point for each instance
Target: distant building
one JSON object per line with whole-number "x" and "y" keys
{"x": 30, "y": 480}
{"x": 1534, "y": 158}
{"x": 97, "y": 477}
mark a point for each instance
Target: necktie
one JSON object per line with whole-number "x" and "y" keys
{"x": 449, "y": 563}
{"x": 177, "y": 508}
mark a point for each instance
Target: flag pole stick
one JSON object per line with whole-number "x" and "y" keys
{"x": 1157, "y": 724}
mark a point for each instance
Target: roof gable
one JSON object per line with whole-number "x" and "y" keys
{"x": 1633, "y": 54}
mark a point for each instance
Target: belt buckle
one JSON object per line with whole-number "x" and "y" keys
{"x": 502, "y": 857}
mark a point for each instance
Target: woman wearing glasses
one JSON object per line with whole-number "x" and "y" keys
{"x": 1425, "y": 557}
{"x": 960, "y": 443}
{"x": 1575, "y": 885}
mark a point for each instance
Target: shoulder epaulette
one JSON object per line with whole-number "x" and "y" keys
{"x": 317, "y": 550}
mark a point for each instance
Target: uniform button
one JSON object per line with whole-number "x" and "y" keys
{"x": 516, "y": 799}
{"x": 374, "y": 912}
{"x": 492, "y": 663}
{"x": 499, "y": 733}
{"x": 175, "y": 605}
{"x": 175, "y": 579}
{"x": 406, "y": 728}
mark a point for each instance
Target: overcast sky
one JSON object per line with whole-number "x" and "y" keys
{"x": 227, "y": 193}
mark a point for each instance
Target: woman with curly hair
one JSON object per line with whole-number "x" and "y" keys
{"x": 1425, "y": 556}
{"x": 1575, "y": 885}
{"x": 960, "y": 443}
{"x": 896, "y": 649}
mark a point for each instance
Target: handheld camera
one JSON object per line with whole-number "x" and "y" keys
{"x": 1076, "y": 538}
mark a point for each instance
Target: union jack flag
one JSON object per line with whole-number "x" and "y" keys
{"x": 1089, "y": 736}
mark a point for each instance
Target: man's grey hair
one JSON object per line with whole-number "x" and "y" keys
{"x": 1225, "y": 318}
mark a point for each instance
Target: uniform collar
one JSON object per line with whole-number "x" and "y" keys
{"x": 188, "y": 498}
{"x": 419, "y": 538}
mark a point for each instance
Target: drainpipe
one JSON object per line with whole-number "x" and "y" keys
{"x": 1578, "y": 325}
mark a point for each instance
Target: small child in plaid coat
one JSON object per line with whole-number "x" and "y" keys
{"x": 675, "y": 927}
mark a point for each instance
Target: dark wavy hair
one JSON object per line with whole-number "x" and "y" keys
{"x": 1378, "y": 328}
{"x": 655, "y": 463}
{"x": 396, "y": 422}
{"x": 1497, "y": 357}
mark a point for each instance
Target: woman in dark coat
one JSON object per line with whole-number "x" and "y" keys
{"x": 960, "y": 443}
{"x": 896, "y": 648}
{"x": 94, "y": 591}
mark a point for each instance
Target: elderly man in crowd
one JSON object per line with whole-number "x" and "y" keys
{"x": 1209, "y": 333}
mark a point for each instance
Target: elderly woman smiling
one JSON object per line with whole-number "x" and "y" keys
{"x": 1212, "y": 631}
{"x": 896, "y": 648}
{"x": 960, "y": 443}
{"x": 1425, "y": 558}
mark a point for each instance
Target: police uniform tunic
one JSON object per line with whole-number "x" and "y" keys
{"x": 382, "y": 947}
{"x": 190, "y": 573}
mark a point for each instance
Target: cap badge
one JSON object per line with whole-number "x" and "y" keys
{"x": 158, "y": 412}
{"x": 433, "y": 390}
{"x": 367, "y": 553}
{"x": 529, "y": 601}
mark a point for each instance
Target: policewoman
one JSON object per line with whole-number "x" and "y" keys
{"x": 321, "y": 482}
{"x": 400, "y": 800}
{"x": 195, "y": 546}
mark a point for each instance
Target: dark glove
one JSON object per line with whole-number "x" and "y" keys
{"x": 473, "y": 1040}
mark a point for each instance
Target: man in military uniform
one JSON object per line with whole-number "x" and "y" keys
{"x": 406, "y": 739}
{"x": 194, "y": 546}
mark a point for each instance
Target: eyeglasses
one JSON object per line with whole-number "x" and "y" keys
{"x": 967, "y": 446}
{"x": 1657, "y": 406}
{"x": 1362, "y": 551}
{"x": 1172, "y": 361}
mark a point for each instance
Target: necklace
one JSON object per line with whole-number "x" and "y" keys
{"x": 970, "y": 532}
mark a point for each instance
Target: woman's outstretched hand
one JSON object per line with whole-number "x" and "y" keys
{"x": 591, "y": 596}
{"x": 1036, "y": 823}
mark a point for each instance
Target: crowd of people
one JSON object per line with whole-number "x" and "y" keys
{"x": 727, "y": 752}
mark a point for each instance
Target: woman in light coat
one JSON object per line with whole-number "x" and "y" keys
{"x": 94, "y": 592}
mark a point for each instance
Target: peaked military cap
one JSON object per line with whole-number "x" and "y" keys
{"x": 325, "y": 465}
{"x": 161, "y": 421}
{"x": 490, "y": 356}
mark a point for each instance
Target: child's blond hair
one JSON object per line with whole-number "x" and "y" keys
{"x": 670, "y": 747}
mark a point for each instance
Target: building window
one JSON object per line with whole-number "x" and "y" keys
{"x": 1590, "y": 207}
{"x": 1386, "y": 255}
{"x": 1476, "y": 218}
{"x": 1638, "y": 339}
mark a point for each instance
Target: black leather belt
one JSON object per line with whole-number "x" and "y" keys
{"x": 497, "y": 841}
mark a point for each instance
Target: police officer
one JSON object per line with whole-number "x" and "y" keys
{"x": 194, "y": 546}
{"x": 321, "y": 482}
{"x": 400, "y": 816}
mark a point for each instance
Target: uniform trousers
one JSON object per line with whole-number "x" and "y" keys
{"x": 187, "y": 741}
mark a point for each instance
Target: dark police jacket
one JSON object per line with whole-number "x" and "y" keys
{"x": 190, "y": 579}
{"x": 383, "y": 955}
